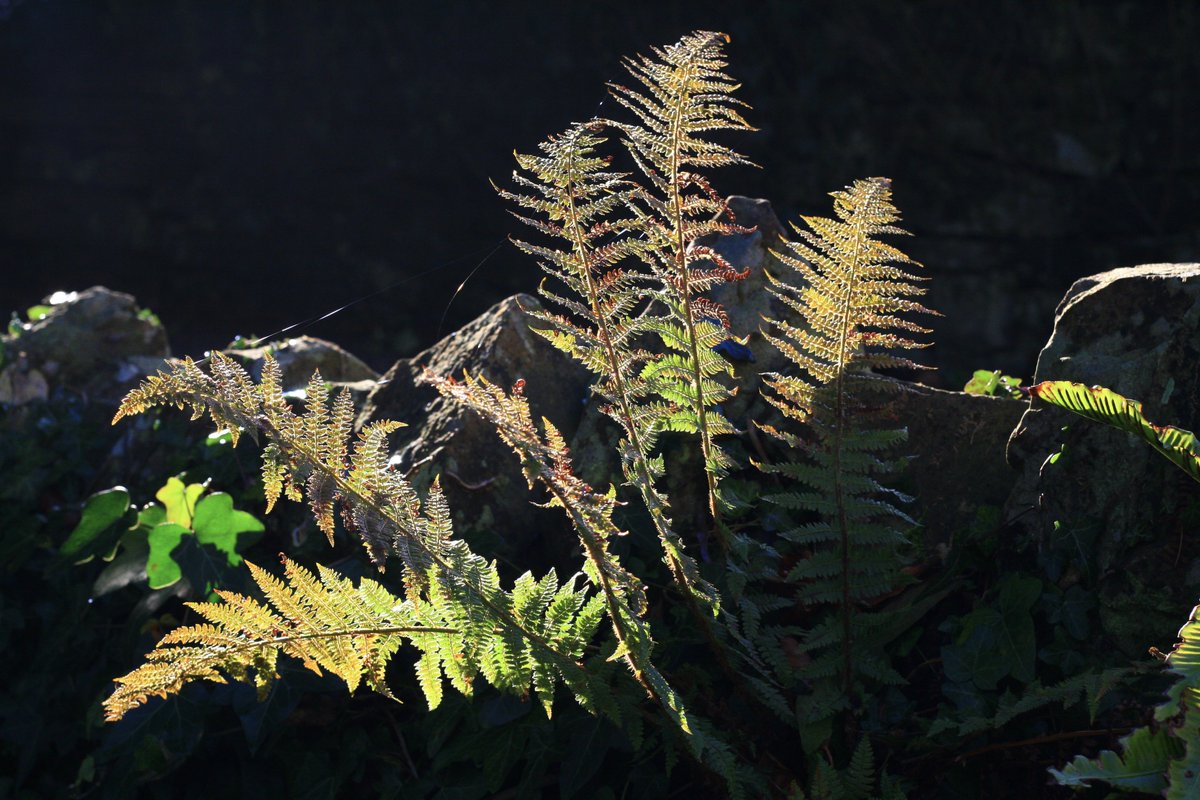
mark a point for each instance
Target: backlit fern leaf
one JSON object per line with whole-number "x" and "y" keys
{"x": 463, "y": 622}
{"x": 325, "y": 622}
{"x": 848, "y": 296}
{"x": 683, "y": 97}
{"x": 578, "y": 201}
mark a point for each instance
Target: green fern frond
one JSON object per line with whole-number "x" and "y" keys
{"x": 545, "y": 459}
{"x": 684, "y": 96}
{"x": 325, "y": 622}
{"x": 1163, "y": 758}
{"x": 508, "y": 638}
{"x": 578, "y": 201}
{"x": 1098, "y": 404}
{"x": 846, "y": 293}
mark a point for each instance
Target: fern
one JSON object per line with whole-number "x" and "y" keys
{"x": 576, "y": 199}
{"x": 1098, "y": 404}
{"x": 683, "y": 96}
{"x": 848, "y": 298}
{"x": 856, "y": 782}
{"x": 545, "y": 459}
{"x": 327, "y": 623}
{"x": 1163, "y": 758}
{"x": 1154, "y": 759}
{"x": 464, "y": 623}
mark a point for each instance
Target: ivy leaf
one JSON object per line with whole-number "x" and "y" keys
{"x": 97, "y": 532}
{"x": 161, "y": 569}
{"x": 128, "y": 567}
{"x": 217, "y": 524}
{"x": 997, "y": 641}
{"x": 180, "y": 500}
{"x": 204, "y": 566}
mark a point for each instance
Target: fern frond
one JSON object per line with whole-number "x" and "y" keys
{"x": 577, "y": 200}
{"x": 1163, "y": 758}
{"x": 505, "y": 637}
{"x": 846, "y": 292}
{"x": 1098, "y": 404}
{"x": 684, "y": 96}
{"x": 325, "y": 622}
{"x": 546, "y": 460}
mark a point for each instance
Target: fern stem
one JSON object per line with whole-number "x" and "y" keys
{"x": 276, "y": 641}
{"x": 646, "y": 483}
{"x": 839, "y": 490}
{"x": 679, "y": 256}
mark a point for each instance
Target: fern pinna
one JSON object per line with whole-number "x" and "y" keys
{"x": 848, "y": 296}
{"x": 454, "y": 609}
{"x": 684, "y": 97}
{"x": 576, "y": 199}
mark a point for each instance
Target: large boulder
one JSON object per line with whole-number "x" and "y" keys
{"x": 96, "y": 343}
{"x": 480, "y": 474}
{"x": 1108, "y": 510}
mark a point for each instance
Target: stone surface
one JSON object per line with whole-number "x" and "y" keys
{"x": 1110, "y": 510}
{"x": 481, "y": 475}
{"x": 299, "y": 357}
{"x": 957, "y": 473}
{"x": 97, "y": 343}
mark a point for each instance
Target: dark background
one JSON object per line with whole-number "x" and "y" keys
{"x": 243, "y": 166}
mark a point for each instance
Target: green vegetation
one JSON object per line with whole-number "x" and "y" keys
{"x": 787, "y": 633}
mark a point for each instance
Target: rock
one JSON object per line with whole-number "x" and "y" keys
{"x": 1110, "y": 510}
{"x": 957, "y": 472}
{"x": 299, "y": 357}
{"x": 480, "y": 474}
{"x": 97, "y": 343}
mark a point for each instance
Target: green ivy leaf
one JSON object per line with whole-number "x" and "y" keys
{"x": 180, "y": 500}
{"x": 217, "y": 523}
{"x": 162, "y": 569}
{"x": 97, "y": 532}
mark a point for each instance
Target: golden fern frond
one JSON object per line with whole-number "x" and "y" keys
{"x": 513, "y": 643}
{"x": 576, "y": 199}
{"x": 324, "y": 621}
{"x": 684, "y": 96}
{"x": 545, "y": 459}
{"x": 848, "y": 295}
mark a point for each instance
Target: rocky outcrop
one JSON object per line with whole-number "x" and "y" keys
{"x": 97, "y": 343}
{"x": 481, "y": 475}
{"x": 1109, "y": 509}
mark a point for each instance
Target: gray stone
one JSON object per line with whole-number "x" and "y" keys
{"x": 298, "y": 358}
{"x": 1110, "y": 510}
{"x": 97, "y": 343}
{"x": 480, "y": 474}
{"x": 956, "y": 470}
